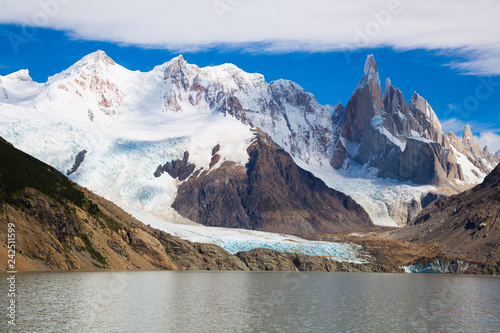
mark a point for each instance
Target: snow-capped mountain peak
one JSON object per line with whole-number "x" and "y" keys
{"x": 97, "y": 74}
{"x": 371, "y": 75}
{"x": 20, "y": 75}
{"x": 97, "y": 61}
{"x": 401, "y": 140}
{"x": 101, "y": 58}
{"x": 15, "y": 83}
{"x": 178, "y": 66}
{"x": 95, "y": 87}
{"x": 387, "y": 87}
{"x": 18, "y": 87}
{"x": 227, "y": 76}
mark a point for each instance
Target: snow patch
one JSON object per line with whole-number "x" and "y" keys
{"x": 470, "y": 172}
{"x": 419, "y": 138}
{"x": 351, "y": 147}
{"x": 392, "y": 138}
{"x": 377, "y": 122}
{"x": 372, "y": 193}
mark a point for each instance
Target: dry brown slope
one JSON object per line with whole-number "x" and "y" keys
{"x": 465, "y": 225}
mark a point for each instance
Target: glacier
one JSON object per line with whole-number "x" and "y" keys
{"x": 236, "y": 240}
{"x": 438, "y": 266}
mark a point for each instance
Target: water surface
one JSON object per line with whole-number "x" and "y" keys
{"x": 254, "y": 302}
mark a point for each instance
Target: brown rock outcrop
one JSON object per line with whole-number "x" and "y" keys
{"x": 180, "y": 169}
{"x": 269, "y": 260}
{"x": 465, "y": 226}
{"x": 270, "y": 193}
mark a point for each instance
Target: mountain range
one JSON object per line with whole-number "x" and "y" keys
{"x": 118, "y": 132}
{"x": 204, "y": 153}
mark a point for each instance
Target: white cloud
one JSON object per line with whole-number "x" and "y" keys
{"x": 486, "y": 132}
{"x": 467, "y": 28}
{"x": 453, "y": 125}
{"x": 490, "y": 139}
{"x": 488, "y": 136}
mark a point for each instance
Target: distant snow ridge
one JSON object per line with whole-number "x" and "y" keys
{"x": 130, "y": 122}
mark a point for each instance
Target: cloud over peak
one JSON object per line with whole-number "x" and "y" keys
{"x": 467, "y": 29}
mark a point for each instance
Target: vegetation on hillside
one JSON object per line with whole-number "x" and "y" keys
{"x": 19, "y": 170}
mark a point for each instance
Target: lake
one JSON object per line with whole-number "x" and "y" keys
{"x": 253, "y": 302}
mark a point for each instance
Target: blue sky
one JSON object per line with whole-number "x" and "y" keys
{"x": 456, "y": 70}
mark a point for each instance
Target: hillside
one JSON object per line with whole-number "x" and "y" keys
{"x": 465, "y": 225}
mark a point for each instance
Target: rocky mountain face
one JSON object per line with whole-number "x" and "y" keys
{"x": 465, "y": 226}
{"x": 404, "y": 141}
{"x": 78, "y": 160}
{"x": 482, "y": 159}
{"x": 61, "y": 226}
{"x": 179, "y": 169}
{"x": 281, "y": 108}
{"x": 270, "y": 193}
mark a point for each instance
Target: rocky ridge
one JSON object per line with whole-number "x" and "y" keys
{"x": 271, "y": 193}
{"x": 403, "y": 141}
{"x": 281, "y": 108}
{"x": 466, "y": 225}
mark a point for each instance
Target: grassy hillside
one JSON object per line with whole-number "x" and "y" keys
{"x": 19, "y": 170}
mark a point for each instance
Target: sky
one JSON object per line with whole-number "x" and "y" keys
{"x": 446, "y": 50}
